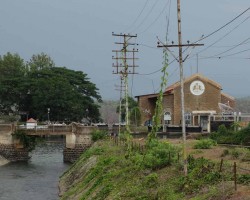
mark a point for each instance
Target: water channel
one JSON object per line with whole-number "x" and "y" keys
{"x": 37, "y": 179}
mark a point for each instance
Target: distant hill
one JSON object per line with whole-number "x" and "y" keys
{"x": 243, "y": 104}
{"x": 108, "y": 111}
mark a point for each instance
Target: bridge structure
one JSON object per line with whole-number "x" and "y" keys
{"x": 78, "y": 139}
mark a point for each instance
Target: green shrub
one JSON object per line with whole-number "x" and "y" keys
{"x": 159, "y": 154}
{"x": 29, "y": 142}
{"x": 222, "y": 130}
{"x": 246, "y": 156}
{"x": 225, "y": 153}
{"x": 205, "y": 144}
{"x": 243, "y": 136}
{"x": 224, "y": 135}
{"x": 235, "y": 153}
{"x": 201, "y": 173}
{"x": 98, "y": 135}
{"x": 150, "y": 180}
{"x": 244, "y": 179}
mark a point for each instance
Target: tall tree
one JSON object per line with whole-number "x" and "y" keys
{"x": 12, "y": 75}
{"x": 67, "y": 93}
{"x": 40, "y": 85}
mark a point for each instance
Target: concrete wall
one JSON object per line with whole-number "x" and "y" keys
{"x": 5, "y": 134}
{"x": 77, "y": 142}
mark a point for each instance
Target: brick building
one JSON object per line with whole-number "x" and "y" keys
{"x": 201, "y": 95}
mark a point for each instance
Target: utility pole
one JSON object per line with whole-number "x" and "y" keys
{"x": 180, "y": 60}
{"x": 120, "y": 103}
{"x": 125, "y": 65}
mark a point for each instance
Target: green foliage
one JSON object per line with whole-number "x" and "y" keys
{"x": 243, "y": 136}
{"x": 246, "y": 155}
{"x": 40, "y": 61}
{"x": 98, "y": 135}
{"x": 158, "y": 107}
{"x": 141, "y": 176}
{"x": 135, "y": 114}
{"x": 244, "y": 179}
{"x": 204, "y": 144}
{"x": 151, "y": 180}
{"x": 202, "y": 172}
{"x": 39, "y": 85}
{"x": 159, "y": 155}
{"x": 67, "y": 93}
{"x": 223, "y": 135}
{"x": 12, "y": 76}
{"x": 29, "y": 142}
{"x": 235, "y": 154}
{"x": 225, "y": 153}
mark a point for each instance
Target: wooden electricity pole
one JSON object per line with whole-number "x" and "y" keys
{"x": 180, "y": 60}
{"x": 125, "y": 65}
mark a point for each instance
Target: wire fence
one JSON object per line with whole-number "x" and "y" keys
{"x": 225, "y": 167}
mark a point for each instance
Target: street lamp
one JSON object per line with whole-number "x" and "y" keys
{"x": 48, "y": 114}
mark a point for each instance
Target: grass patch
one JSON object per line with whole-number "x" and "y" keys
{"x": 155, "y": 173}
{"x": 204, "y": 144}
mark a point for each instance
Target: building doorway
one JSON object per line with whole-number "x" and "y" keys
{"x": 204, "y": 123}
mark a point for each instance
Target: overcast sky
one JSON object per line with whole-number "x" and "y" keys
{"x": 77, "y": 34}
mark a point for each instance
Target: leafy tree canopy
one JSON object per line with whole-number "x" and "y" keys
{"x": 133, "y": 108}
{"x": 40, "y": 61}
{"x": 12, "y": 72}
{"x": 39, "y": 86}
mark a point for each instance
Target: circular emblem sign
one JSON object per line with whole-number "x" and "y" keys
{"x": 197, "y": 88}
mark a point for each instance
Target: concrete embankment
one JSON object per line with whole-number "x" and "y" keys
{"x": 3, "y": 161}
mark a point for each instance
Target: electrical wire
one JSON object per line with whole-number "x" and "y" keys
{"x": 146, "y": 16}
{"x": 145, "y": 45}
{"x": 131, "y": 25}
{"x": 168, "y": 19}
{"x": 155, "y": 18}
{"x": 203, "y": 38}
{"x": 239, "y": 52}
{"x": 224, "y": 35}
{"x": 154, "y": 72}
{"x": 235, "y": 46}
{"x": 217, "y": 30}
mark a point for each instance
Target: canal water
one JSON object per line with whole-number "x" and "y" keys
{"x": 37, "y": 179}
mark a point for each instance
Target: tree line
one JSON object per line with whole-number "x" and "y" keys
{"x": 40, "y": 89}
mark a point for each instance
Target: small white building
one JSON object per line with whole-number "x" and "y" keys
{"x": 31, "y": 123}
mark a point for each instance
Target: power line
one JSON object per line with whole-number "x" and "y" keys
{"x": 155, "y": 18}
{"x": 203, "y": 38}
{"x": 138, "y": 15}
{"x": 239, "y": 52}
{"x": 146, "y": 16}
{"x": 224, "y": 35}
{"x": 235, "y": 46}
{"x": 168, "y": 19}
{"x": 151, "y": 47}
{"x": 154, "y": 72}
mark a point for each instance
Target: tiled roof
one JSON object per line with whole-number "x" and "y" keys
{"x": 31, "y": 120}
